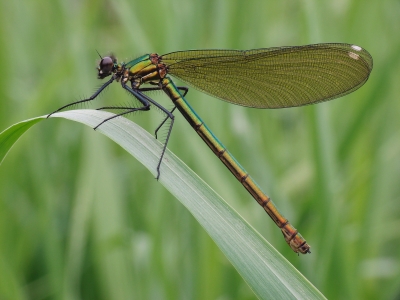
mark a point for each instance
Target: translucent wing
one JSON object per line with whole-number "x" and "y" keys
{"x": 274, "y": 77}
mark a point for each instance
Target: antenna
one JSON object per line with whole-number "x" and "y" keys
{"x": 99, "y": 54}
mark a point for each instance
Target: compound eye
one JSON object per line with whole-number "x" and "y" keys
{"x": 105, "y": 67}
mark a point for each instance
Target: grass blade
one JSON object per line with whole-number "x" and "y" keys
{"x": 267, "y": 273}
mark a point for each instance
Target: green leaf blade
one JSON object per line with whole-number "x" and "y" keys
{"x": 9, "y": 136}
{"x": 268, "y": 273}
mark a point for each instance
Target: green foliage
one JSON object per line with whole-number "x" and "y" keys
{"x": 81, "y": 219}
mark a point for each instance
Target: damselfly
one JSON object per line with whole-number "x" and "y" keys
{"x": 261, "y": 78}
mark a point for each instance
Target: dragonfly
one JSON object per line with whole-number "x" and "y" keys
{"x": 277, "y": 77}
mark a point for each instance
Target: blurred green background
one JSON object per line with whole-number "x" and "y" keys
{"x": 82, "y": 219}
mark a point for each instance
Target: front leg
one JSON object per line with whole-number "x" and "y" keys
{"x": 88, "y": 99}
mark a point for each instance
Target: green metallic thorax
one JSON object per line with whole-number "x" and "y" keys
{"x": 142, "y": 70}
{"x": 140, "y": 61}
